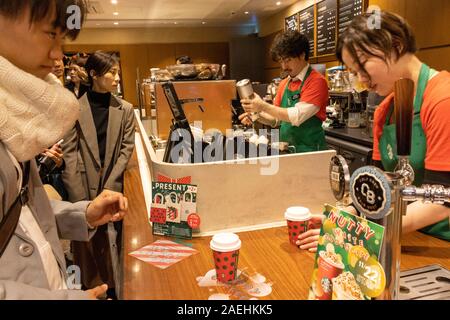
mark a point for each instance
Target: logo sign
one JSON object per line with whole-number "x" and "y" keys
{"x": 371, "y": 192}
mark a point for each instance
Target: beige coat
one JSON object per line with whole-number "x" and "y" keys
{"x": 22, "y": 274}
{"x": 83, "y": 176}
{"x": 84, "y": 179}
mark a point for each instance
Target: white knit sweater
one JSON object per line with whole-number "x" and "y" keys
{"x": 34, "y": 113}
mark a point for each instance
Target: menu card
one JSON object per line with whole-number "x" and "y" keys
{"x": 346, "y": 265}
{"x": 349, "y": 9}
{"x": 291, "y": 23}
{"x": 326, "y": 27}
{"x": 306, "y": 25}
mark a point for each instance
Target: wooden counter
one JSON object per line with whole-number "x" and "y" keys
{"x": 267, "y": 252}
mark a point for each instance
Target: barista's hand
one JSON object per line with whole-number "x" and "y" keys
{"x": 309, "y": 239}
{"x": 108, "y": 206}
{"x": 254, "y": 105}
{"x": 246, "y": 119}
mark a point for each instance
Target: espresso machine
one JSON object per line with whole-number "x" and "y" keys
{"x": 382, "y": 197}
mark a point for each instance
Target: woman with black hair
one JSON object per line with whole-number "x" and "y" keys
{"x": 96, "y": 152}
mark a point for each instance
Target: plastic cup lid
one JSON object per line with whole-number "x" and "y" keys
{"x": 225, "y": 242}
{"x": 297, "y": 214}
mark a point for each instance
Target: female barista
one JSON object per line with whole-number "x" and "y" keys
{"x": 380, "y": 57}
{"x": 302, "y": 96}
{"x": 97, "y": 151}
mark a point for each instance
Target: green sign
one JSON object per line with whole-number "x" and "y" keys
{"x": 346, "y": 265}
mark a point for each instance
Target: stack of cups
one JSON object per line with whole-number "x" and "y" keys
{"x": 225, "y": 247}
{"x": 297, "y": 221}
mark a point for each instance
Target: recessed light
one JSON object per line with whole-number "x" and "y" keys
{"x": 246, "y": 12}
{"x": 115, "y": 13}
{"x": 175, "y": 22}
{"x": 203, "y": 22}
{"x": 114, "y": 1}
{"x": 278, "y": 3}
{"x": 116, "y": 23}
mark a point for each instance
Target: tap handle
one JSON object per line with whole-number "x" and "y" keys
{"x": 404, "y": 107}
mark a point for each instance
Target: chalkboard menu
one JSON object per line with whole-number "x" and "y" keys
{"x": 291, "y": 23}
{"x": 348, "y": 9}
{"x": 326, "y": 27}
{"x": 306, "y": 17}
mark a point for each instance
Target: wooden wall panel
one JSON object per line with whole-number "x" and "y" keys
{"x": 438, "y": 58}
{"x": 431, "y": 22}
{"x": 160, "y": 55}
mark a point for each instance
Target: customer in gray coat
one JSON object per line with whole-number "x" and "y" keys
{"x": 96, "y": 152}
{"x": 36, "y": 111}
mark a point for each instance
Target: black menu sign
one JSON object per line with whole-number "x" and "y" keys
{"x": 291, "y": 23}
{"x": 306, "y": 17}
{"x": 326, "y": 27}
{"x": 348, "y": 9}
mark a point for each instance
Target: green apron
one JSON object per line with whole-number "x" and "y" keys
{"x": 388, "y": 148}
{"x": 309, "y": 136}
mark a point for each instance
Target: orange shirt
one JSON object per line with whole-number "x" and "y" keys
{"x": 315, "y": 91}
{"x": 435, "y": 117}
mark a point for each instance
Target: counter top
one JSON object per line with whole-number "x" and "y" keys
{"x": 356, "y": 135}
{"x": 266, "y": 252}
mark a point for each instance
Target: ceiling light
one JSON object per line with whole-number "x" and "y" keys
{"x": 203, "y": 22}
{"x": 115, "y": 13}
{"x": 175, "y": 22}
{"x": 116, "y": 23}
{"x": 114, "y": 1}
{"x": 278, "y": 3}
{"x": 98, "y": 24}
{"x": 246, "y": 12}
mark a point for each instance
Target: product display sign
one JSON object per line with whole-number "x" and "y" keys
{"x": 291, "y": 23}
{"x": 306, "y": 26}
{"x": 349, "y": 9}
{"x": 174, "y": 209}
{"x": 326, "y": 27}
{"x": 346, "y": 265}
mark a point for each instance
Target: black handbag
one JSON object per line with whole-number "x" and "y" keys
{"x": 9, "y": 223}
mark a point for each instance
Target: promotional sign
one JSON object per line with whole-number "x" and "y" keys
{"x": 173, "y": 210}
{"x": 346, "y": 265}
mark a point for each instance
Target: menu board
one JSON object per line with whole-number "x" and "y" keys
{"x": 306, "y": 24}
{"x": 349, "y": 9}
{"x": 291, "y": 23}
{"x": 326, "y": 27}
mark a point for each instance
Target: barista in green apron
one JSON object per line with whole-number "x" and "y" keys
{"x": 309, "y": 136}
{"x": 388, "y": 147}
